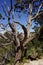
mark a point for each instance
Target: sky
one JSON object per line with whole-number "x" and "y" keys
{"x": 22, "y": 20}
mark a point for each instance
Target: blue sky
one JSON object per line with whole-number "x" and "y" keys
{"x": 23, "y": 19}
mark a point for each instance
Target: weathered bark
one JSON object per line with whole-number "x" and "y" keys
{"x": 29, "y": 19}
{"x": 18, "y": 57}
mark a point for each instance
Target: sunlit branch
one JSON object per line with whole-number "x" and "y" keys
{"x": 29, "y": 39}
{"x": 25, "y": 31}
{"x": 6, "y": 44}
{"x": 37, "y": 12}
{"x": 3, "y": 26}
{"x": 3, "y": 36}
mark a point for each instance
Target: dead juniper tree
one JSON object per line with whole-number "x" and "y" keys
{"x": 19, "y": 44}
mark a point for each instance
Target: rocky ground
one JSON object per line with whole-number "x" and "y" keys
{"x": 35, "y": 62}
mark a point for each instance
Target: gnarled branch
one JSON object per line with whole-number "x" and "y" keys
{"x": 37, "y": 12}
{"x": 3, "y": 36}
{"x": 6, "y": 44}
{"x": 25, "y": 31}
{"x": 29, "y": 39}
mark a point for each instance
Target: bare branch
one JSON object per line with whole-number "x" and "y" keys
{"x": 3, "y": 26}
{"x": 14, "y": 32}
{"x": 3, "y": 36}
{"x": 31, "y": 7}
{"x": 37, "y": 12}
{"x": 4, "y": 47}
{"x": 29, "y": 24}
{"x": 29, "y": 39}
{"x": 25, "y": 31}
{"x": 12, "y": 27}
{"x": 6, "y": 44}
{"x": 13, "y": 14}
{"x": 29, "y": 19}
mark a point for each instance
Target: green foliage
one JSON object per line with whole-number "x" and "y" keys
{"x": 12, "y": 60}
{"x": 35, "y": 48}
{"x": 1, "y": 17}
{"x": 2, "y": 40}
{"x": 41, "y": 34}
{"x": 8, "y": 35}
{"x": 31, "y": 52}
{"x": 24, "y": 60}
{"x": 9, "y": 47}
{"x": 39, "y": 19}
{"x": 1, "y": 53}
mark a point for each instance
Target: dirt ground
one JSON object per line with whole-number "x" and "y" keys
{"x": 35, "y": 62}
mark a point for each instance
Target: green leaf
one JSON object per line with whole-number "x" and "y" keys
{"x": 1, "y": 17}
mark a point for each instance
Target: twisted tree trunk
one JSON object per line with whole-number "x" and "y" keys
{"x": 18, "y": 57}
{"x": 19, "y": 44}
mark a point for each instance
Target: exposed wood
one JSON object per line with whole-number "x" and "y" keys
{"x": 29, "y": 19}
{"x": 25, "y": 31}
{"x": 3, "y": 36}
{"x": 29, "y": 39}
{"x": 6, "y": 44}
